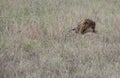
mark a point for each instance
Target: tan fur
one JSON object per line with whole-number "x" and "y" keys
{"x": 83, "y": 25}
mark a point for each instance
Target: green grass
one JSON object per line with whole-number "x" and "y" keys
{"x": 35, "y": 41}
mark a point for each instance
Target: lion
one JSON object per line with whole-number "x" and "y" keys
{"x": 83, "y": 25}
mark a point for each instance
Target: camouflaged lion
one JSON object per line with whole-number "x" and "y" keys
{"x": 83, "y": 25}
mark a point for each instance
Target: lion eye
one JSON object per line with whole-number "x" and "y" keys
{"x": 85, "y": 22}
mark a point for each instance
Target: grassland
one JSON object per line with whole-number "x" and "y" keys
{"x": 35, "y": 42}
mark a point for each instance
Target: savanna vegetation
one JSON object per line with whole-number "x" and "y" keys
{"x": 35, "y": 41}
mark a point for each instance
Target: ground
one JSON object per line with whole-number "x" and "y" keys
{"x": 35, "y": 42}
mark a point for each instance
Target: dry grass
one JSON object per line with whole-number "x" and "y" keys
{"x": 35, "y": 42}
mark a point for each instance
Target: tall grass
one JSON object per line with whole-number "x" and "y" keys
{"x": 35, "y": 41}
